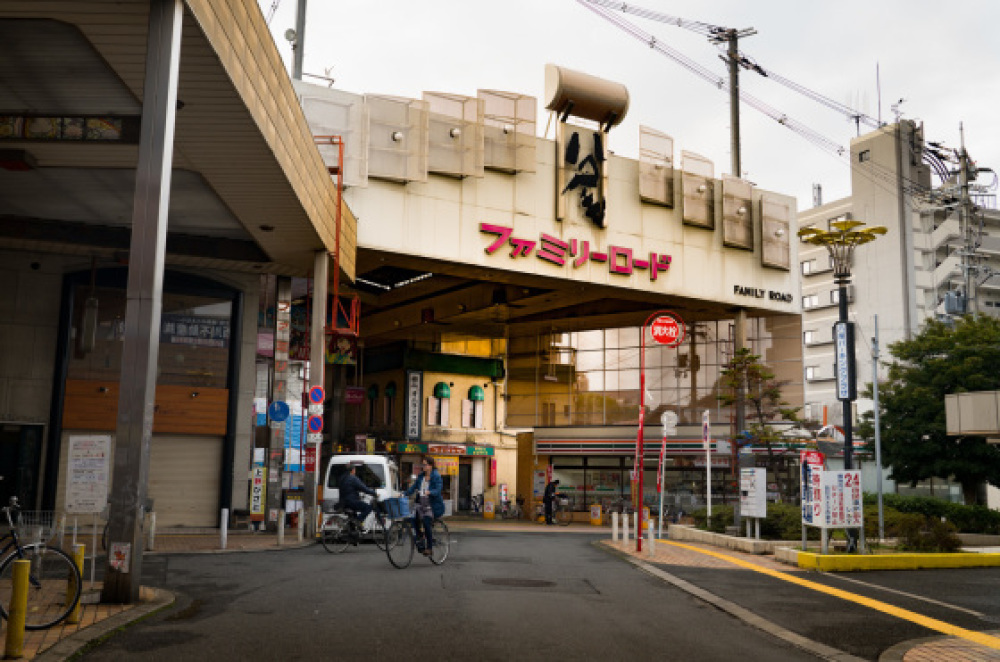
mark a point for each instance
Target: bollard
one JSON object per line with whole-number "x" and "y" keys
{"x": 74, "y": 615}
{"x": 152, "y": 531}
{"x": 281, "y": 527}
{"x": 614, "y": 527}
{"x": 301, "y": 521}
{"x": 625, "y": 527}
{"x": 652, "y": 537}
{"x": 638, "y": 525}
{"x": 17, "y": 610}
{"x": 224, "y": 528}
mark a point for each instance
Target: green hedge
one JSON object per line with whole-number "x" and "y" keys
{"x": 783, "y": 522}
{"x": 967, "y": 519}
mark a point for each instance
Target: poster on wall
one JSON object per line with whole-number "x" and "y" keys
{"x": 88, "y": 473}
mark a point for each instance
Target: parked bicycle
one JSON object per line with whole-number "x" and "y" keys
{"x": 54, "y": 582}
{"x": 561, "y": 513}
{"x": 401, "y": 542}
{"x": 341, "y": 528}
{"x": 510, "y": 510}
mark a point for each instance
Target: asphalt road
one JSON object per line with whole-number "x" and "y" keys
{"x": 967, "y": 598}
{"x": 501, "y": 596}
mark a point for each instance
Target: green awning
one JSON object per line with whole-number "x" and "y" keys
{"x": 390, "y": 390}
{"x": 442, "y": 391}
{"x": 476, "y": 393}
{"x": 373, "y": 392}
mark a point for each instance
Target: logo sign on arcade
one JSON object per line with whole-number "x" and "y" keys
{"x": 668, "y": 329}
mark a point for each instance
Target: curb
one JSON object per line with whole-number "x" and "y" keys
{"x": 66, "y": 648}
{"x": 233, "y": 550}
{"x": 750, "y": 618}
{"x": 862, "y": 562}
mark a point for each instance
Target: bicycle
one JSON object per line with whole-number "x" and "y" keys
{"x": 400, "y": 542}
{"x": 341, "y": 528}
{"x": 54, "y": 581}
{"x": 561, "y": 513}
{"x": 510, "y": 510}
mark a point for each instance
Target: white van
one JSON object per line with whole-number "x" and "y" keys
{"x": 378, "y": 472}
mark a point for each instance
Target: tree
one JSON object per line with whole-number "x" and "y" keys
{"x": 943, "y": 358}
{"x": 744, "y": 378}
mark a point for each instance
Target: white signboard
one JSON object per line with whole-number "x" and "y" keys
{"x": 88, "y": 475}
{"x": 753, "y": 493}
{"x": 837, "y": 502}
{"x": 812, "y": 463}
{"x": 842, "y": 505}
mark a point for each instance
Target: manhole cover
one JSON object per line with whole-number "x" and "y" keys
{"x": 519, "y": 583}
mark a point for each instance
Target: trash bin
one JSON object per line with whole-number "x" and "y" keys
{"x": 595, "y": 514}
{"x": 488, "y": 512}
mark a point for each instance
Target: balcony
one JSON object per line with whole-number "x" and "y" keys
{"x": 952, "y": 266}
{"x": 947, "y": 231}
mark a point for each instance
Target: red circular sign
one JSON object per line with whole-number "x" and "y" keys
{"x": 667, "y": 330}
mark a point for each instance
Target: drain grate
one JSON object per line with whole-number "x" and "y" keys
{"x": 518, "y": 583}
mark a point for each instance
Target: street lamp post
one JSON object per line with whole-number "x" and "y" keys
{"x": 840, "y": 241}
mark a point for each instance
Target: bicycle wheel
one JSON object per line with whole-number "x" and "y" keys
{"x": 399, "y": 544}
{"x": 563, "y": 517}
{"x": 53, "y": 585}
{"x": 334, "y": 535}
{"x": 379, "y": 531}
{"x": 442, "y": 542}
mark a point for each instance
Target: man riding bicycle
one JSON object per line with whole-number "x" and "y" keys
{"x": 350, "y": 489}
{"x": 430, "y": 504}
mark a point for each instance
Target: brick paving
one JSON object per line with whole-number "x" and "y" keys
{"x": 953, "y": 650}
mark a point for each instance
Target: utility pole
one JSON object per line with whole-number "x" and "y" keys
{"x": 299, "y": 45}
{"x": 732, "y": 59}
{"x": 878, "y": 433}
{"x": 965, "y": 220}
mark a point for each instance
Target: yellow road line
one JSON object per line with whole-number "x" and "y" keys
{"x": 905, "y": 614}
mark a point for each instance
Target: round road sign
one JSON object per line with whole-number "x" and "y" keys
{"x": 315, "y": 423}
{"x": 278, "y": 411}
{"x": 317, "y": 395}
{"x": 668, "y": 330}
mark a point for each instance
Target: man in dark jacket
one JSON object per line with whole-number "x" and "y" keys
{"x": 350, "y": 488}
{"x": 550, "y": 495}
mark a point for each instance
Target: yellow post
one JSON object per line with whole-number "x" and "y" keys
{"x": 17, "y": 610}
{"x": 74, "y": 616}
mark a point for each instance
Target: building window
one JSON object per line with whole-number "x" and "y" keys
{"x": 810, "y": 373}
{"x": 810, "y": 301}
{"x": 808, "y": 337}
{"x": 389, "y": 403}
{"x": 865, "y": 155}
{"x": 473, "y": 409}
{"x": 835, "y": 296}
{"x": 438, "y": 409}
{"x": 803, "y": 228}
{"x": 808, "y": 266}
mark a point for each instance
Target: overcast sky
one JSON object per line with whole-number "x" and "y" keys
{"x": 943, "y": 60}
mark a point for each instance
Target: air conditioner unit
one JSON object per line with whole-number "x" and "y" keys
{"x": 697, "y": 187}
{"x": 455, "y": 134}
{"x": 509, "y": 131}
{"x": 656, "y": 167}
{"x": 397, "y": 138}
{"x": 336, "y": 113}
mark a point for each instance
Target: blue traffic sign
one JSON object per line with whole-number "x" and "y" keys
{"x": 278, "y": 412}
{"x": 315, "y": 424}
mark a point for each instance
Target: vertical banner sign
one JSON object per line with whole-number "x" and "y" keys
{"x": 493, "y": 471}
{"x": 811, "y": 464}
{"x": 414, "y": 394}
{"x": 87, "y": 474}
{"x": 841, "y": 499}
{"x": 258, "y": 492}
{"x": 843, "y": 335}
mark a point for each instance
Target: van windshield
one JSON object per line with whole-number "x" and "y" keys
{"x": 372, "y": 475}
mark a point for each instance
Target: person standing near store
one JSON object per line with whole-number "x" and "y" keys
{"x": 429, "y": 505}
{"x": 548, "y": 498}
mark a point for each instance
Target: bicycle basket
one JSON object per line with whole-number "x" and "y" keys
{"x": 397, "y": 508}
{"x": 563, "y": 503}
{"x": 35, "y": 526}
